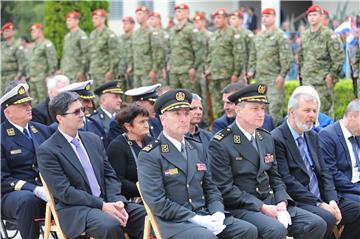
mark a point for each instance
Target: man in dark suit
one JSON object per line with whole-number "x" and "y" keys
{"x": 41, "y": 111}
{"x": 244, "y": 167}
{"x": 340, "y": 148}
{"x": 303, "y": 169}
{"x": 86, "y": 190}
{"x": 175, "y": 180}
{"x": 22, "y": 195}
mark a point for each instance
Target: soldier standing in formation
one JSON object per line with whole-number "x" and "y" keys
{"x": 202, "y": 40}
{"x": 270, "y": 59}
{"x": 103, "y": 50}
{"x": 125, "y": 52}
{"x": 160, "y": 46}
{"x": 226, "y": 58}
{"x": 320, "y": 58}
{"x": 143, "y": 64}
{"x": 13, "y": 62}
{"x": 182, "y": 56}
{"x": 43, "y": 62}
{"x": 74, "y": 54}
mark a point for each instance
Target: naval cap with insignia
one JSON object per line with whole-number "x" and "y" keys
{"x": 144, "y": 93}
{"x": 250, "y": 93}
{"x": 82, "y": 88}
{"x": 17, "y": 95}
{"x": 173, "y": 99}
{"x": 113, "y": 87}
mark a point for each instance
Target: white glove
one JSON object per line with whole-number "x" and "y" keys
{"x": 219, "y": 218}
{"x": 284, "y": 218}
{"x": 206, "y": 221}
{"x": 40, "y": 193}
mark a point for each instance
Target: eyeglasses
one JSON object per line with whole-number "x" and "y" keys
{"x": 76, "y": 112}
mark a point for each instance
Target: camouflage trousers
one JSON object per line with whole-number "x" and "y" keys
{"x": 141, "y": 80}
{"x": 183, "y": 81}
{"x": 215, "y": 88}
{"x": 326, "y": 99}
{"x": 38, "y": 89}
{"x": 204, "y": 90}
{"x": 6, "y": 79}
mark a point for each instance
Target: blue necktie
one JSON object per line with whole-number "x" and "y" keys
{"x": 355, "y": 148}
{"x": 313, "y": 183}
{"x": 27, "y": 134}
{"x": 183, "y": 150}
{"x": 89, "y": 171}
{"x": 253, "y": 142}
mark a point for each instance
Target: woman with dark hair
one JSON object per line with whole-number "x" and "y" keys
{"x": 124, "y": 149}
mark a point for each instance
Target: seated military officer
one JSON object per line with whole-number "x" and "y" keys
{"x": 243, "y": 166}
{"x": 22, "y": 196}
{"x": 109, "y": 103}
{"x": 83, "y": 89}
{"x": 175, "y": 180}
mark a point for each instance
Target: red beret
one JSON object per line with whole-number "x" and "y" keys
{"x": 326, "y": 12}
{"x": 315, "y": 8}
{"x": 182, "y": 6}
{"x": 72, "y": 15}
{"x": 99, "y": 12}
{"x": 36, "y": 26}
{"x": 199, "y": 16}
{"x": 270, "y": 11}
{"x": 142, "y": 9}
{"x": 220, "y": 11}
{"x": 238, "y": 14}
{"x": 155, "y": 14}
{"x": 8, "y": 26}
{"x": 128, "y": 19}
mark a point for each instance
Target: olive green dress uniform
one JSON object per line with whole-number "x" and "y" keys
{"x": 74, "y": 54}
{"x": 103, "y": 55}
{"x": 182, "y": 56}
{"x": 160, "y": 46}
{"x": 320, "y": 54}
{"x": 143, "y": 55}
{"x": 271, "y": 56}
{"x": 43, "y": 63}
{"x": 226, "y": 58}
{"x": 13, "y": 62}
{"x": 100, "y": 116}
{"x": 125, "y": 44}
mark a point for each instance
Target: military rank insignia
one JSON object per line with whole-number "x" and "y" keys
{"x": 259, "y": 136}
{"x": 33, "y": 129}
{"x": 147, "y": 148}
{"x": 237, "y": 139}
{"x": 101, "y": 115}
{"x": 10, "y": 132}
{"x": 165, "y": 148}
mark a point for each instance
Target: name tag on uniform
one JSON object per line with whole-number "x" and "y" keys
{"x": 201, "y": 167}
{"x": 172, "y": 171}
{"x": 15, "y": 151}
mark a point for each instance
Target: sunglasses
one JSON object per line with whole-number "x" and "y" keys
{"x": 76, "y": 112}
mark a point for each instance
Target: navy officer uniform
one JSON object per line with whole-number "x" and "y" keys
{"x": 105, "y": 118}
{"x": 246, "y": 174}
{"x": 83, "y": 89}
{"x": 19, "y": 170}
{"x": 177, "y": 185}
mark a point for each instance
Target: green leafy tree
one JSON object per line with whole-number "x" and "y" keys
{"x": 54, "y": 18}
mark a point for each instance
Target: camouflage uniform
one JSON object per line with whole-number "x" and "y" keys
{"x": 74, "y": 54}
{"x": 271, "y": 56}
{"x": 320, "y": 54}
{"x": 142, "y": 56}
{"x": 103, "y": 55}
{"x": 125, "y": 45}
{"x": 202, "y": 39}
{"x": 43, "y": 63}
{"x": 13, "y": 62}
{"x": 160, "y": 46}
{"x": 247, "y": 36}
{"x": 226, "y": 58}
{"x": 182, "y": 56}
{"x": 356, "y": 67}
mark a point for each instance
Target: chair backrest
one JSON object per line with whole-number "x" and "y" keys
{"x": 50, "y": 210}
{"x": 151, "y": 216}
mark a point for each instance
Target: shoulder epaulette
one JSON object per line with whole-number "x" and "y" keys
{"x": 151, "y": 145}
{"x": 222, "y": 134}
{"x": 260, "y": 133}
{"x": 263, "y": 130}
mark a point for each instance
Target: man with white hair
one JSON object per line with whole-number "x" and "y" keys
{"x": 41, "y": 111}
{"x": 303, "y": 169}
{"x": 340, "y": 143}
